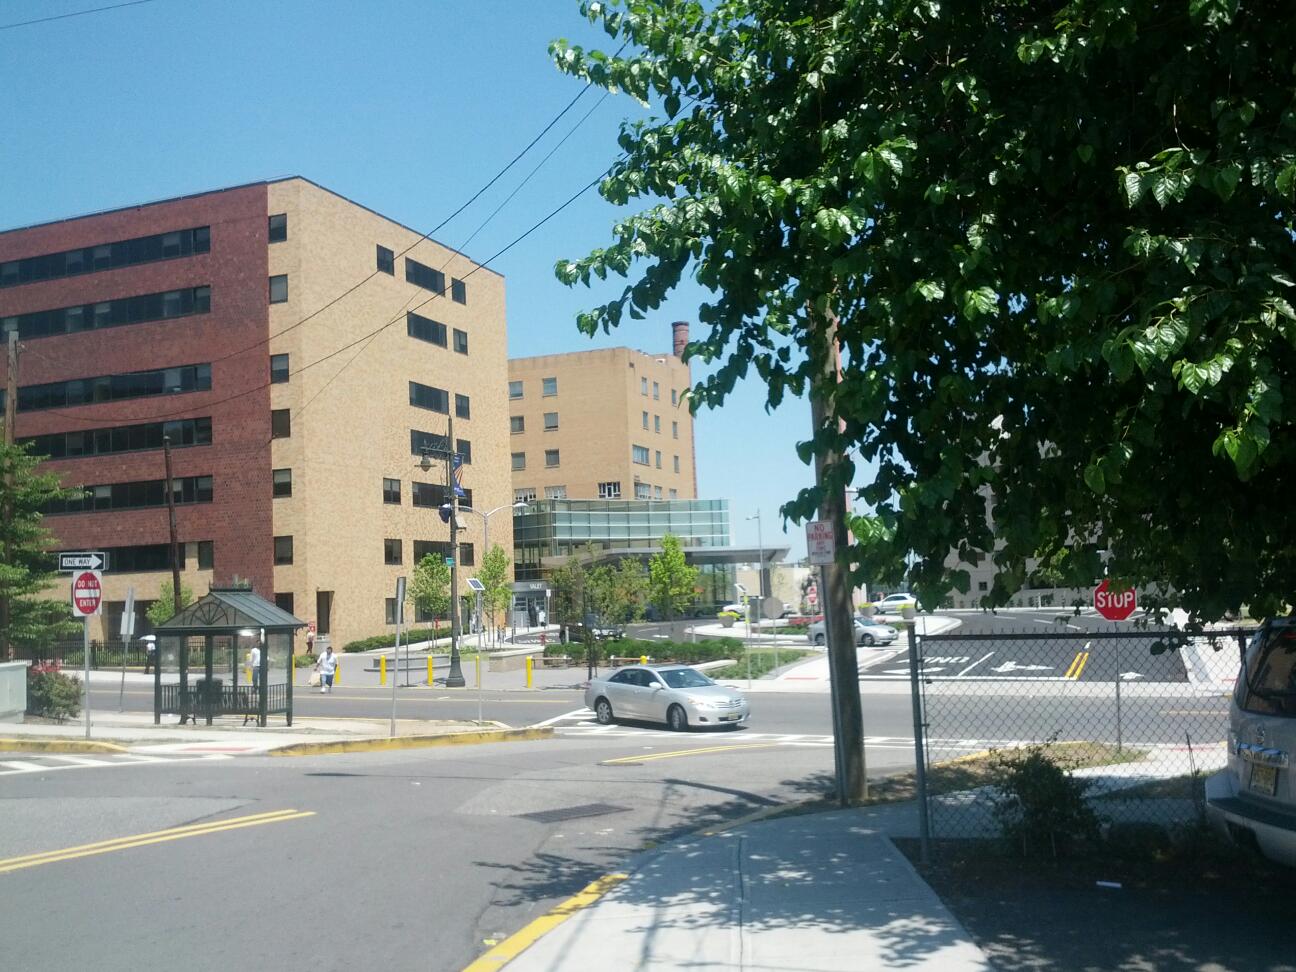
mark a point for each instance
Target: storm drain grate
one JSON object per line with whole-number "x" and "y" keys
{"x": 573, "y": 813}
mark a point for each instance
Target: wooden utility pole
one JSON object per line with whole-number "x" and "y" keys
{"x": 839, "y": 625}
{"x": 171, "y": 519}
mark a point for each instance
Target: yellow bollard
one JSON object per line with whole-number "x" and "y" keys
{"x": 247, "y": 675}
{"x": 643, "y": 659}
{"x": 382, "y": 669}
{"x": 337, "y": 673}
{"x": 528, "y": 671}
{"x": 429, "y": 660}
{"x": 478, "y": 659}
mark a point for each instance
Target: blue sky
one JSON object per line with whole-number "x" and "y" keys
{"x": 406, "y": 106}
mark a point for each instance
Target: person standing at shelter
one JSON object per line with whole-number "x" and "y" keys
{"x": 327, "y": 667}
{"x": 254, "y": 662}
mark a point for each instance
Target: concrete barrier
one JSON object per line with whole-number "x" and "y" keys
{"x": 13, "y": 691}
{"x": 513, "y": 660}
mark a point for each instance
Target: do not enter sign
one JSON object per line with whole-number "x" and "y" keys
{"x": 1115, "y": 605}
{"x": 87, "y": 593}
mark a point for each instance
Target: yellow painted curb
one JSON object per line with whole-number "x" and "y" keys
{"x": 45, "y": 745}
{"x": 516, "y": 943}
{"x": 411, "y": 742}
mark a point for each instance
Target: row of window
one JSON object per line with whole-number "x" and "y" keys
{"x": 438, "y": 400}
{"x": 517, "y": 423}
{"x": 434, "y": 332}
{"x": 434, "y": 495}
{"x": 548, "y": 388}
{"x": 645, "y": 491}
{"x": 112, "y": 388}
{"x": 656, "y": 425}
{"x": 551, "y": 458}
{"x": 430, "y": 279}
{"x": 606, "y": 490}
{"x": 110, "y": 313}
{"x": 105, "y": 256}
{"x": 527, "y": 494}
{"x": 146, "y": 557}
{"x": 122, "y": 438}
{"x": 133, "y": 496}
{"x": 639, "y": 456}
{"x": 393, "y": 552}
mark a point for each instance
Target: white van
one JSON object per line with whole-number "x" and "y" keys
{"x": 1253, "y": 801}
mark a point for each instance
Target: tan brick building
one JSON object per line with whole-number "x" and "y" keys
{"x": 302, "y": 352}
{"x": 607, "y": 424}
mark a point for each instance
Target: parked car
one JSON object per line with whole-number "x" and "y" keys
{"x": 895, "y": 602}
{"x": 867, "y": 632}
{"x": 738, "y": 609}
{"x": 677, "y": 695}
{"x": 1253, "y": 800}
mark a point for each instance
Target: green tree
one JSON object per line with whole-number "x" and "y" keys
{"x": 494, "y": 575}
{"x": 27, "y": 575}
{"x": 617, "y": 593}
{"x": 1052, "y": 241}
{"x": 671, "y": 581}
{"x": 163, "y": 609}
{"x": 429, "y": 589}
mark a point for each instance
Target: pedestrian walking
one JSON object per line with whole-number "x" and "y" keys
{"x": 326, "y": 666}
{"x": 150, "y": 652}
{"x": 310, "y": 642}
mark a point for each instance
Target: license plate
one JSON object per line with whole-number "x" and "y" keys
{"x": 1264, "y": 779}
{"x": 730, "y": 718}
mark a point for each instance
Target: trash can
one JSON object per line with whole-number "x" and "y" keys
{"x": 207, "y": 696}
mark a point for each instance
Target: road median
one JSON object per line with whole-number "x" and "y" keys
{"x": 366, "y": 745}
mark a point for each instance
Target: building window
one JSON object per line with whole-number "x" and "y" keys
{"x": 278, "y": 227}
{"x": 657, "y": 492}
{"x": 121, "y": 311}
{"x": 458, "y": 291}
{"x": 645, "y": 420}
{"x": 280, "y": 423}
{"x": 122, "y": 438}
{"x": 391, "y": 491}
{"x": 461, "y": 341}
{"x": 206, "y": 554}
{"x": 519, "y": 461}
{"x": 639, "y": 455}
{"x": 278, "y": 369}
{"x": 551, "y": 421}
{"x": 674, "y": 430}
{"x": 391, "y": 552}
{"x": 526, "y": 494}
{"x": 467, "y": 555}
{"x": 517, "y": 424}
{"x": 611, "y": 490}
{"x": 657, "y": 423}
{"x": 463, "y": 407}
{"x": 674, "y": 494}
{"x": 464, "y": 448}
{"x": 656, "y": 391}
{"x": 389, "y": 615}
{"x": 674, "y": 397}
{"x": 548, "y": 387}
{"x": 677, "y": 463}
{"x": 658, "y": 457}
{"x": 283, "y": 551}
{"x": 386, "y": 260}
{"x": 983, "y": 585}
{"x": 111, "y": 388}
{"x": 284, "y": 601}
{"x": 132, "y": 496}
{"x": 551, "y": 458}
{"x": 555, "y": 492}
{"x": 106, "y": 256}
{"x": 425, "y": 277}
{"x": 279, "y": 289}
{"x": 515, "y": 390}
{"x": 281, "y": 483}
{"x": 643, "y": 491}
{"x": 421, "y": 442}
{"x": 425, "y": 396}
{"x": 425, "y": 329}
{"x": 643, "y": 386}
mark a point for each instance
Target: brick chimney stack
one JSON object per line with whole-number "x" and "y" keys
{"x": 680, "y": 336}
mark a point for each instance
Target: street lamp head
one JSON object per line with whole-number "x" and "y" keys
{"x": 520, "y": 505}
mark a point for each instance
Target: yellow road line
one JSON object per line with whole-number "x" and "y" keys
{"x": 154, "y": 837}
{"x": 1084, "y": 660}
{"x": 516, "y": 943}
{"x": 1078, "y": 664}
{"x": 685, "y": 752}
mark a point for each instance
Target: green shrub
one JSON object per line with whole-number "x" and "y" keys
{"x": 304, "y": 661}
{"x": 1039, "y": 801}
{"x": 389, "y": 640}
{"x": 52, "y": 694}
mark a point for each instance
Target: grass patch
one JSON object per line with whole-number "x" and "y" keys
{"x": 763, "y": 661}
{"x": 982, "y": 769}
{"x": 1185, "y": 787}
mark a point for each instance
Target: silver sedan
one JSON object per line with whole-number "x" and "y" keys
{"x": 674, "y": 694}
{"x": 867, "y": 632}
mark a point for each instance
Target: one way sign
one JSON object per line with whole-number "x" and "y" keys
{"x": 85, "y": 560}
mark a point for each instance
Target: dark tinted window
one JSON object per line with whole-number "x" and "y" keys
{"x": 206, "y": 554}
{"x": 135, "y": 495}
{"x": 110, "y": 313}
{"x": 280, "y": 423}
{"x": 391, "y": 552}
{"x": 461, "y": 341}
{"x": 126, "y": 438}
{"x": 105, "y": 256}
{"x": 458, "y": 291}
{"x": 144, "y": 557}
{"x": 279, "y": 289}
{"x": 386, "y": 260}
{"x": 111, "y": 388}
{"x": 425, "y": 396}
{"x": 283, "y": 550}
{"x": 464, "y": 448}
{"x": 391, "y": 491}
{"x": 281, "y": 483}
{"x": 463, "y": 408}
{"x": 427, "y": 440}
{"x": 424, "y": 276}
{"x": 425, "y": 329}
{"x": 278, "y": 228}
{"x": 279, "y": 369}
{"x": 284, "y": 602}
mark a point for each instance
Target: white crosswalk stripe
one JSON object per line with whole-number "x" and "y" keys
{"x": 53, "y": 763}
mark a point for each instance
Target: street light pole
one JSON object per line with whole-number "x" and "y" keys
{"x": 486, "y": 537}
{"x": 454, "y": 678}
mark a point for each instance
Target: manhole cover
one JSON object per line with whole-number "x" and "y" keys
{"x": 573, "y": 813}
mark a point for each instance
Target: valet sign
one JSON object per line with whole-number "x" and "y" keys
{"x": 1115, "y": 605}
{"x": 87, "y": 593}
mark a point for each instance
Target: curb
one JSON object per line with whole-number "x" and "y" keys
{"x": 38, "y": 745}
{"x": 410, "y": 742}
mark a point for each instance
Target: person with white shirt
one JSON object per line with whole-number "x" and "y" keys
{"x": 326, "y": 666}
{"x": 254, "y": 662}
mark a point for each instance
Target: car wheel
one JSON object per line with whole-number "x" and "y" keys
{"x": 867, "y": 640}
{"x": 819, "y": 638}
{"x": 603, "y": 712}
{"x": 676, "y": 718}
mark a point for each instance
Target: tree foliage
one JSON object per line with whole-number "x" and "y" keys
{"x": 494, "y": 575}
{"x": 618, "y": 592}
{"x": 27, "y": 561}
{"x": 429, "y": 587}
{"x": 1056, "y": 238}
{"x": 163, "y": 609}
{"x": 671, "y": 581}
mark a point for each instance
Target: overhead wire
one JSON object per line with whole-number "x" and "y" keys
{"x": 74, "y": 13}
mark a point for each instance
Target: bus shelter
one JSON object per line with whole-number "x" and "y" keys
{"x": 229, "y": 653}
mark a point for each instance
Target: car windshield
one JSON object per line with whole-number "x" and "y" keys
{"x": 685, "y": 678}
{"x": 1271, "y": 673}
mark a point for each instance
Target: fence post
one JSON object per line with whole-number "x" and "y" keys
{"x": 1119, "y": 733}
{"x": 920, "y": 762}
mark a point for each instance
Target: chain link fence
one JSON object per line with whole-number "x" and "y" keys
{"x": 1143, "y": 730}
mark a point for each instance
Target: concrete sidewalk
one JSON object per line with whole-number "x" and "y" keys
{"x": 818, "y": 892}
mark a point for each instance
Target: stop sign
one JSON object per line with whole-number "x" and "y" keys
{"x": 1115, "y": 605}
{"x": 87, "y": 593}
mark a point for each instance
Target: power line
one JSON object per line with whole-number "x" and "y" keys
{"x": 75, "y": 13}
